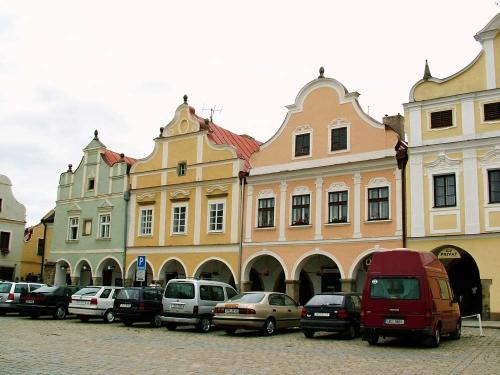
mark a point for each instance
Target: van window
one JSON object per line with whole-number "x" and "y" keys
{"x": 211, "y": 293}
{"x": 5, "y": 287}
{"x": 443, "y": 289}
{"x": 230, "y": 292}
{"x": 395, "y": 288}
{"x": 180, "y": 291}
{"x": 21, "y": 288}
{"x": 151, "y": 295}
{"x": 128, "y": 294}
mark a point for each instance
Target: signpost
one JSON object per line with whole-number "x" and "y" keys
{"x": 140, "y": 274}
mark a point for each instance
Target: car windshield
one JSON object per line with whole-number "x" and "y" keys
{"x": 247, "y": 298}
{"x": 46, "y": 289}
{"x": 326, "y": 299}
{"x": 5, "y": 287}
{"x": 180, "y": 290}
{"x": 394, "y": 288}
{"x": 87, "y": 292}
{"x": 128, "y": 294}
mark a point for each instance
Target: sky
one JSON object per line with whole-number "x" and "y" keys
{"x": 122, "y": 67}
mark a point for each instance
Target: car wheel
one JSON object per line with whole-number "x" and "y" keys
{"x": 156, "y": 322}
{"x": 434, "y": 340}
{"x": 455, "y": 335}
{"x": 109, "y": 316}
{"x": 269, "y": 327}
{"x": 83, "y": 318}
{"x": 230, "y": 331}
{"x": 309, "y": 333}
{"x": 372, "y": 339}
{"x": 60, "y": 313}
{"x": 205, "y": 324}
{"x": 171, "y": 326}
{"x": 350, "y": 332}
{"x": 128, "y": 323}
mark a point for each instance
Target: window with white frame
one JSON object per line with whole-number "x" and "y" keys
{"x": 73, "y": 228}
{"x": 105, "y": 226}
{"x": 302, "y": 144}
{"x": 4, "y": 241}
{"x": 445, "y": 192}
{"x": 337, "y": 206}
{"x": 216, "y": 216}
{"x": 338, "y": 138}
{"x": 301, "y": 209}
{"x": 265, "y": 213}
{"x": 378, "y": 203}
{"x": 494, "y": 185}
{"x": 179, "y": 219}
{"x": 146, "y": 223}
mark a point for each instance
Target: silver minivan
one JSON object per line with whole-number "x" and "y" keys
{"x": 10, "y": 293}
{"x": 192, "y": 302}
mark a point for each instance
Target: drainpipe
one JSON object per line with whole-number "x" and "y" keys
{"x": 402, "y": 159}
{"x": 243, "y": 181}
{"x": 43, "y": 250}
{"x": 126, "y": 197}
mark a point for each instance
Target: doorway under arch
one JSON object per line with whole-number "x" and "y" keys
{"x": 214, "y": 269}
{"x": 265, "y": 273}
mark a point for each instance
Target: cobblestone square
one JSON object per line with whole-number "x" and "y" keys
{"x": 46, "y": 346}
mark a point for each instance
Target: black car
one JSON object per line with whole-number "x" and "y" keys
{"x": 48, "y": 300}
{"x": 139, "y": 305}
{"x": 332, "y": 312}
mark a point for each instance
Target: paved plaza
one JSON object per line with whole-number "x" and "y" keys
{"x": 46, "y": 346}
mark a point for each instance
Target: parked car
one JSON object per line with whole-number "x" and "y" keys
{"x": 332, "y": 312}
{"x": 94, "y": 302}
{"x": 10, "y": 294}
{"x": 139, "y": 304}
{"x": 408, "y": 293}
{"x": 264, "y": 311}
{"x": 48, "y": 300}
{"x": 192, "y": 302}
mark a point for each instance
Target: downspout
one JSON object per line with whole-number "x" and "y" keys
{"x": 126, "y": 197}
{"x": 402, "y": 159}
{"x": 43, "y": 250}
{"x": 242, "y": 176}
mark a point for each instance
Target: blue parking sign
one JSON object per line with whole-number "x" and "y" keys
{"x": 141, "y": 262}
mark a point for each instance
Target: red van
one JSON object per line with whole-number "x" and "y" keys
{"x": 408, "y": 293}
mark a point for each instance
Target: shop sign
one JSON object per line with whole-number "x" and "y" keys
{"x": 449, "y": 253}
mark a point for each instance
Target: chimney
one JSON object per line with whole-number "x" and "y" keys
{"x": 396, "y": 123}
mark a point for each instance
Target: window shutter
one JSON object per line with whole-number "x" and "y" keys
{"x": 441, "y": 119}
{"x": 492, "y": 111}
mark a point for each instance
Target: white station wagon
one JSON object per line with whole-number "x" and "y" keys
{"x": 94, "y": 302}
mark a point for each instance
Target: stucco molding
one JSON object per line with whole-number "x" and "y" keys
{"x": 442, "y": 163}
{"x": 180, "y": 193}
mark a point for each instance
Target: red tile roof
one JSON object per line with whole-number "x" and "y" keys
{"x": 111, "y": 158}
{"x": 245, "y": 145}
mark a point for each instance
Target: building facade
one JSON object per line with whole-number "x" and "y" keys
{"x": 323, "y": 194}
{"x": 185, "y": 201}
{"x": 90, "y": 220}
{"x": 453, "y": 178}
{"x": 12, "y": 222}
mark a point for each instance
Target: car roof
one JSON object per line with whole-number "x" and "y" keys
{"x": 198, "y": 281}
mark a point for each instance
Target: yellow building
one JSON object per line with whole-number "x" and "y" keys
{"x": 36, "y": 247}
{"x": 453, "y": 177}
{"x": 185, "y": 201}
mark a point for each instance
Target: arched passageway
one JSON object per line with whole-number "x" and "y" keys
{"x": 214, "y": 269}
{"x": 265, "y": 273}
{"x": 62, "y": 273}
{"x": 83, "y": 273}
{"x": 360, "y": 271}
{"x": 172, "y": 269}
{"x": 109, "y": 273}
{"x": 132, "y": 275}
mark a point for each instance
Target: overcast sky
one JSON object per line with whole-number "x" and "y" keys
{"x": 69, "y": 67}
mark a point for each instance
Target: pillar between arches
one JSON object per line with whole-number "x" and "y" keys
{"x": 246, "y": 286}
{"x": 347, "y": 285}
{"x": 97, "y": 281}
{"x": 75, "y": 281}
{"x": 485, "y": 288}
{"x": 292, "y": 288}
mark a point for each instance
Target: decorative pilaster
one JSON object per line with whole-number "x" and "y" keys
{"x": 293, "y": 288}
{"x": 317, "y": 222}
{"x": 283, "y": 224}
{"x": 357, "y": 205}
{"x": 471, "y": 192}
{"x": 248, "y": 219}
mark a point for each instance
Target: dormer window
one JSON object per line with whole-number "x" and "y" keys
{"x": 492, "y": 111}
{"x": 441, "y": 119}
{"x": 91, "y": 185}
{"x": 302, "y": 144}
{"x": 339, "y": 139}
{"x": 181, "y": 168}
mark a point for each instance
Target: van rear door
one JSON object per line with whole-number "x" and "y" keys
{"x": 396, "y": 302}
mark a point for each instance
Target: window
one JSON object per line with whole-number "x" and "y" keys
{"x": 339, "y": 139}
{"x": 492, "y": 111}
{"x": 4, "y": 241}
{"x": 73, "y": 228}
{"x": 146, "y": 227}
{"x": 180, "y": 290}
{"x": 337, "y": 207}
{"x": 378, "y": 203}
{"x": 441, "y": 119}
{"x": 300, "y": 209}
{"x": 444, "y": 191}
{"x": 105, "y": 293}
{"x": 91, "y": 184}
{"x": 443, "y": 289}
{"x": 21, "y": 288}
{"x": 181, "y": 168}
{"x": 40, "y": 247}
{"x": 494, "y": 185}
{"x": 395, "y": 288}
{"x": 179, "y": 219}
{"x": 87, "y": 227}
{"x": 266, "y": 213}
{"x": 216, "y": 217}
{"x": 230, "y": 292}
{"x": 302, "y": 144}
{"x": 105, "y": 226}
{"x": 211, "y": 293}
{"x": 289, "y": 301}
{"x": 277, "y": 299}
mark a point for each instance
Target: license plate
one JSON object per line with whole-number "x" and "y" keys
{"x": 394, "y": 321}
{"x": 177, "y": 307}
{"x": 321, "y": 314}
{"x": 232, "y": 311}
{"x": 30, "y": 301}
{"x": 82, "y": 302}
{"x": 125, "y": 305}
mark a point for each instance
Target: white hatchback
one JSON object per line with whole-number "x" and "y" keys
{"x": 94, "y": 302}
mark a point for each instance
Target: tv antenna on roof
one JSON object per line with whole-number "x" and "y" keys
{"x": 212, "y": 110}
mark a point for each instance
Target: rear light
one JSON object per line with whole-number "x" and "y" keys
{"x": 195, "y": 309}
{"x": 247, "y": 311}
{"x": 219, "y": 310}
{"x": 303, "y": 313}
{"x": 343, "y": 314}
{"x": 10, "y": 297}
{"x": 362, "y": 313}
{"x": 141, "y": 306}
{"x": 93, "y": 301}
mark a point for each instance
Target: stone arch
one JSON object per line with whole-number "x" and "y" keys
{"x": 81, "y": 276}
{"x": 77, "y": 270}
{"x": 150, "y": 276}
{"x": 62, "y": 276}
{"x": 162, "y": 273}
{"x": 101, "y": 264}
{"x": 247, "y": 266}
{"x": 110, "y": 275}
{"x": 303, "y": 259}
{"x": 357, "y": 271}
{"x": 198, "y": 270}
